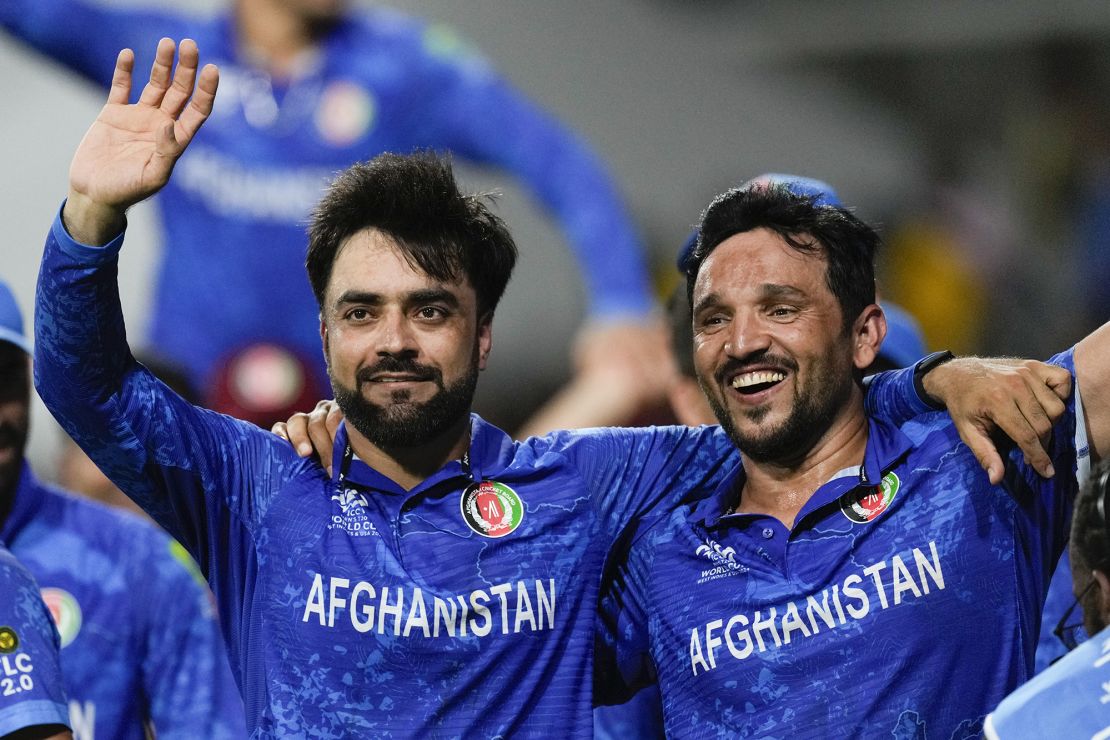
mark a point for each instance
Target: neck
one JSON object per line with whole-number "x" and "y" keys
{"x": 276, "y": 35}
{"x": 781, "y": 489}
{"x": 408, "y": 467}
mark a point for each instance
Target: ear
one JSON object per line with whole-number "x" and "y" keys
{"x": 485, "y": 339}
{"x": 868, "y": 333}
{"x": 324, "y": 336}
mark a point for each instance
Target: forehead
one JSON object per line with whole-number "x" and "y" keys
{"x": 371, "y": 261}
{"x": 754, "y": 259}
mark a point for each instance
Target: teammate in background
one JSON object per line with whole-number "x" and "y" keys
{"x": 1072, "y": 698}
{"x": 139, "y": 640}
{"x": 848, "y": 563}
{"x": 333, "y": 588}
{"x": 32, "y": 700}
{"x": 308, "y": 88}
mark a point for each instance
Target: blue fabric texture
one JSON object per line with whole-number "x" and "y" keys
{"x": 905, "y": 601}
{"x": 140, "y": 639}
{"x": 235, "y": 212}
{"x": 31, "y": 691}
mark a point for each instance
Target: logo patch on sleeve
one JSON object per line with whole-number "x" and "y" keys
{"x": 66, "y": 612}
{"x": 864, "y": 505}
{"x": 491, "y": 509}
{"x": 9, "y": 640}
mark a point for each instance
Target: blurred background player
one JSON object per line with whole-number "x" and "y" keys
{"x": 1072, "y": 698}
{"x": 32, "y": 700}
{"x": 139, "y": 638}
{"x": 307, "y": 88}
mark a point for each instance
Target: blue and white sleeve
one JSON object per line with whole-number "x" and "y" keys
{"x": 31, "y": 693}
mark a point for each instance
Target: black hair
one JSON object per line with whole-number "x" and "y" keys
{"x": 1090, "y": 524}
{"x": 849, "y": 245}
{"x": 415, "y": 200}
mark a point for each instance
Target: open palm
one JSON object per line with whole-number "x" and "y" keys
{"x": 130, "y": 150}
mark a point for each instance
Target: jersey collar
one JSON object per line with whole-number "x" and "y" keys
{"x": 886, "y": 446}
{"x": 490, "y": 452}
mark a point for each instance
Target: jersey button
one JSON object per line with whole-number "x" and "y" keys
{"x": 768, "y": 533}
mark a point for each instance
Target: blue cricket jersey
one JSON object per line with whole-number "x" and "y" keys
{"x": 139, "y": 637}
{"x": 234, "y": 213}
{"x": 351, "y": 607}
{"x": 31, "y": 690}
{"x": 904, "y": 602}
{"x": 1071, "y": 699}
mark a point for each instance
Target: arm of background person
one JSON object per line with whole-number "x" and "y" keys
{"x": 85, "y": 36}
{"x": 1092, "y": 375}
{"x": 484, "y": 118}
{"x": 618, "y": 375}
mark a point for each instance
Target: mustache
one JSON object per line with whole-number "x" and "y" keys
{"x": 763, "y": 358}
{"x": 398, "y": 365}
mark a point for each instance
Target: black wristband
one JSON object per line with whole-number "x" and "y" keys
{"x": 923, "y": 366}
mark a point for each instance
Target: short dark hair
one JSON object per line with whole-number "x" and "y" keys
{"x": 1090, "y": 524}
{"x": 848, "y": 243}
{"x": 415, "y": 200}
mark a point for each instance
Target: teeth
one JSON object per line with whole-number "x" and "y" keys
{"x": 747, "y": 380}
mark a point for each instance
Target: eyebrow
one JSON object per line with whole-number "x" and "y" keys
{"x": 428, "y": 295}
{"x": 769, "y": 291}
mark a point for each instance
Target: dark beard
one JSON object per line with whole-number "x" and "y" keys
{"x": 787, "y": 444}
{"x": 404, "y": 423}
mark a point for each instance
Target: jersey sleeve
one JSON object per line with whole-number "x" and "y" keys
{"x": 31, "y": 691}
{"x": 1047, "y": 502}
{"x": 892, "y": 396}
{"x": 86, "y": 36}
{"x": 485, "y": 119}
{"x": 206, "y": 478}
{"x": 631, "y": 472}
{"x": 185, "y": 668}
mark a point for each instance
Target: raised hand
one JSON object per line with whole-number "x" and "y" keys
{"x": 130, "y": 150}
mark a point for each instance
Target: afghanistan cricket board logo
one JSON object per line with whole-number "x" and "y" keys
{"x": 874, "y": 501}
{"x": 491, "y": 509}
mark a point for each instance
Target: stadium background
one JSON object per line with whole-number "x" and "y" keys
{"x": 976, "y": 133}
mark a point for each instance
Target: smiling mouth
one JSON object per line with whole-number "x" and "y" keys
{"x": 758, "y": 381}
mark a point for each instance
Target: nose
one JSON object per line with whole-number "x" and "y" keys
{"x": 395, "y": 336}
{"x": 747, "y": 335}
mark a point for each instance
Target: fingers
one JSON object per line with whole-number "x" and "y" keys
{"x": 201, "y": 104}
{"x": 184, "y": 78}
{"x": 296, "y": 433}
{"x": 323, "y": 437}
{"x": 985, "y": 452}
{"x": 279, "y": 429}
{"x": 159, "y": 74}
{"x": 120, "y": 92}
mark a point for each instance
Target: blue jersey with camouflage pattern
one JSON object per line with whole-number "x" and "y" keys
{"x": 139, "y": 636}
{"x": 234, "y": 213}
{"x": 31, "y": 690}
{"x": 465, "y": 606}
{"x": 904, "y": 602}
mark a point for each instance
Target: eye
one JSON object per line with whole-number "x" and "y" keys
{"x": 782, "y": 312}
{"x": 357, "y": 315}
{"x": 431, "y": 313}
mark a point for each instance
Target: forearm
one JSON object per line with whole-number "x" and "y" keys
{"x": 1092, "y": 370}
